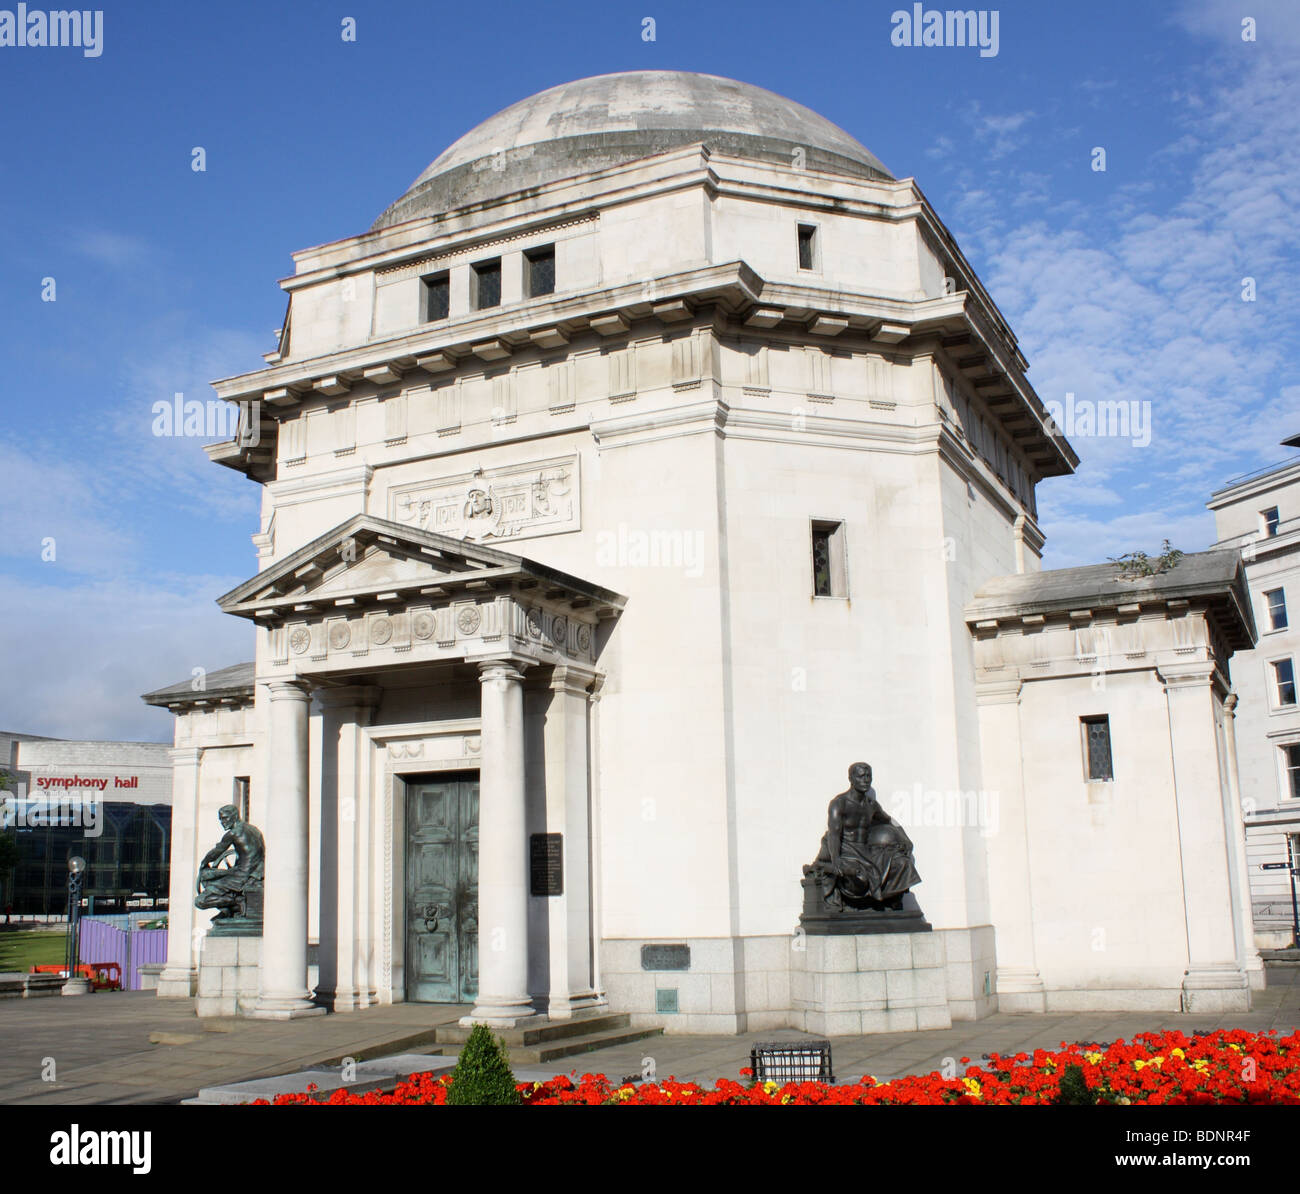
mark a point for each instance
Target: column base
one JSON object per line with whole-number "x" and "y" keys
{"x": 288, "y": 1007}
{"x": 1216, "y": 988}
{"x": 1020, "y": 990}
{"x": 341, "y": 1000}
{"x": 178, "y": 983}
{"x": 503, "y": 1014}
{"x": 587, "y": 1000}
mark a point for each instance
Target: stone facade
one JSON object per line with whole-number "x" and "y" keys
{"x": 1267, "y": 729}
{"x": 655, "y": 553}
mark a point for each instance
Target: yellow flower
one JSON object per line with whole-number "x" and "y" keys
{"x": 1177, "y": 1053}
{"x": 971, "y": 1085}
{"x": 1093, "y": 1058}
{"x": 770, "y": 1087}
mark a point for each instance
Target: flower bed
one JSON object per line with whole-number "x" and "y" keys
{"x": 1232, "y": 1066}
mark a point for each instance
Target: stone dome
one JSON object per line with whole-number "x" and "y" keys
{"x": 608, "y": 120}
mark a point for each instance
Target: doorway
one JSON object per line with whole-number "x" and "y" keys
{"x": 442, "y": 888}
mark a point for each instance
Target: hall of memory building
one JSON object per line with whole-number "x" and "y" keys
{"x": 655, "y": 456}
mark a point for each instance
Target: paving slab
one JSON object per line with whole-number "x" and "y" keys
{"x": 102, "y": 1050}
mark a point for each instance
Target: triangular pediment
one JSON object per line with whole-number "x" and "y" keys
{"x": 369, "y": 560}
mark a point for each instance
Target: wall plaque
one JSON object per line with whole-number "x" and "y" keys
{"x": 665, "y": 957}
{"x": 546, "y": 863}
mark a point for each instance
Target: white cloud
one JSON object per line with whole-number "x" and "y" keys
{"x": 1138, "y": 298}
{"x": 78, "y": 656}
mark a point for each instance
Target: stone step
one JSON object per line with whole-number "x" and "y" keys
{"x": 527, "y": 1035}
{"x": 572, "y": 1046}
{"x": 426, "y": 1040}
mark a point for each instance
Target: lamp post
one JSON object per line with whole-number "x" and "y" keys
{"x": 75, "y": 984}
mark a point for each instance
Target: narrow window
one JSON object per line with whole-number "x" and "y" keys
{"x": 829, "y": 577}
{"x": 1284, "y": 677}
{"x": 1270, "y": 519}
{"x": 807, "y": 246}
{"x": 487, "y": 284}
{"x": 540, "y": 271}
{"x": 1291, "y": 760}
{"x": 437, "y": 296}
{"x": 1096, "y": 748}
{"x": 1276, "y": 599}
{"x": 240, "y": 796}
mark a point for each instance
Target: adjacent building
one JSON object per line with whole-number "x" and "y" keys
{"x": 1259, "y": 516}
{"x": 654, "y": 457}
{"x": 107, "y": 802}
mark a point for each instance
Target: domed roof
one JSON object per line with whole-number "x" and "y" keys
{"x": 607, "y": 120}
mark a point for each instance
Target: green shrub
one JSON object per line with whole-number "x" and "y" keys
{"x": 1075, "y": 1091}
{"x": 482, "y": 1076}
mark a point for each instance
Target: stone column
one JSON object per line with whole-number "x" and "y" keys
{"x": 567, "y": 811}
{"x": 284, "y": 993}
{"x": 1019, "y": 985}
{"x": 593, "y": 838}
{"x": 1247, "y": 953}
{"x": 345, "y": 711}
{"x": 1214, "y": 981}
{"x": 503, "y": 996}
{"x": 179, "y": 978}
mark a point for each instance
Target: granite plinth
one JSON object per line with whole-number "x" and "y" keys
{"x": 229, "y": 974}
{"x": 870, "y": 982}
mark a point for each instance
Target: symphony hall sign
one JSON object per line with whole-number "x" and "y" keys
{"x": 620, "y": 487}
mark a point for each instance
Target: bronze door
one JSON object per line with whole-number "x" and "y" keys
{"x": 442, "y": 889}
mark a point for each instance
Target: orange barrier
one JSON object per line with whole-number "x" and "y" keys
{"x": 103, "y": 976}
{"x": 107, "y": 977}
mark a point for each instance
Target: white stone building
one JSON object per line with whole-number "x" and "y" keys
{"x": 1259, "y": 515}
{"x": 650, "y": 460}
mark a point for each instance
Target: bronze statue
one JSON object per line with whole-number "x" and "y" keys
{"x": 235, "y": 890}
{"x": 864, "y": 868}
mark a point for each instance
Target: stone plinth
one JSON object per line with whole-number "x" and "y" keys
{"x": 229, "y": 975}
{"x": 878, "y": 982}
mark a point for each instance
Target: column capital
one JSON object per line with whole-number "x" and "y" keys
{"x": 1230, "y": 705}
{"x": 501, "y": 667}
{"x": 1002, "y": 691}
{"x": 1193, "y": 673}
{"x": 289, "y": 690}
{"x": 573, "y": 678}
{"x": 185, "y": 755}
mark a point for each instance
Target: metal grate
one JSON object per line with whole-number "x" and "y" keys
{"x": 791, "y": 1061}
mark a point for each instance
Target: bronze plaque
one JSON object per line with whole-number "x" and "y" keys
{"x": 665, "y": 957}
{"x": 546, "y": 863}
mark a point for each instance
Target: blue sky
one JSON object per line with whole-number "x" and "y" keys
{"x": 1121, "y": 285}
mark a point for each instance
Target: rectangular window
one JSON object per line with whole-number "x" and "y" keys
{"x": 1291, "y": 762}
{"x": 240, "y": 796}
{"x": 1096, "y": 748}
{"x": 1284, "y": 678}
{"x": 1271, "y": 520}
{"x": 437, "y": 296}
{"x": 486, "y": 277}
{"x": 807, "y": 246}
{"x": 829, "y": 574}
{"x": 1276, "y": 599}
{"x": 539, "y": 266}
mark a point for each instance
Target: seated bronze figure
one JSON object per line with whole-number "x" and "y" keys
{"x": 236, "y": 890}
{"x": 864, "y": 868}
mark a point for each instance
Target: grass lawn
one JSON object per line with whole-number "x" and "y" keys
{"x": 21, "y": 949}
